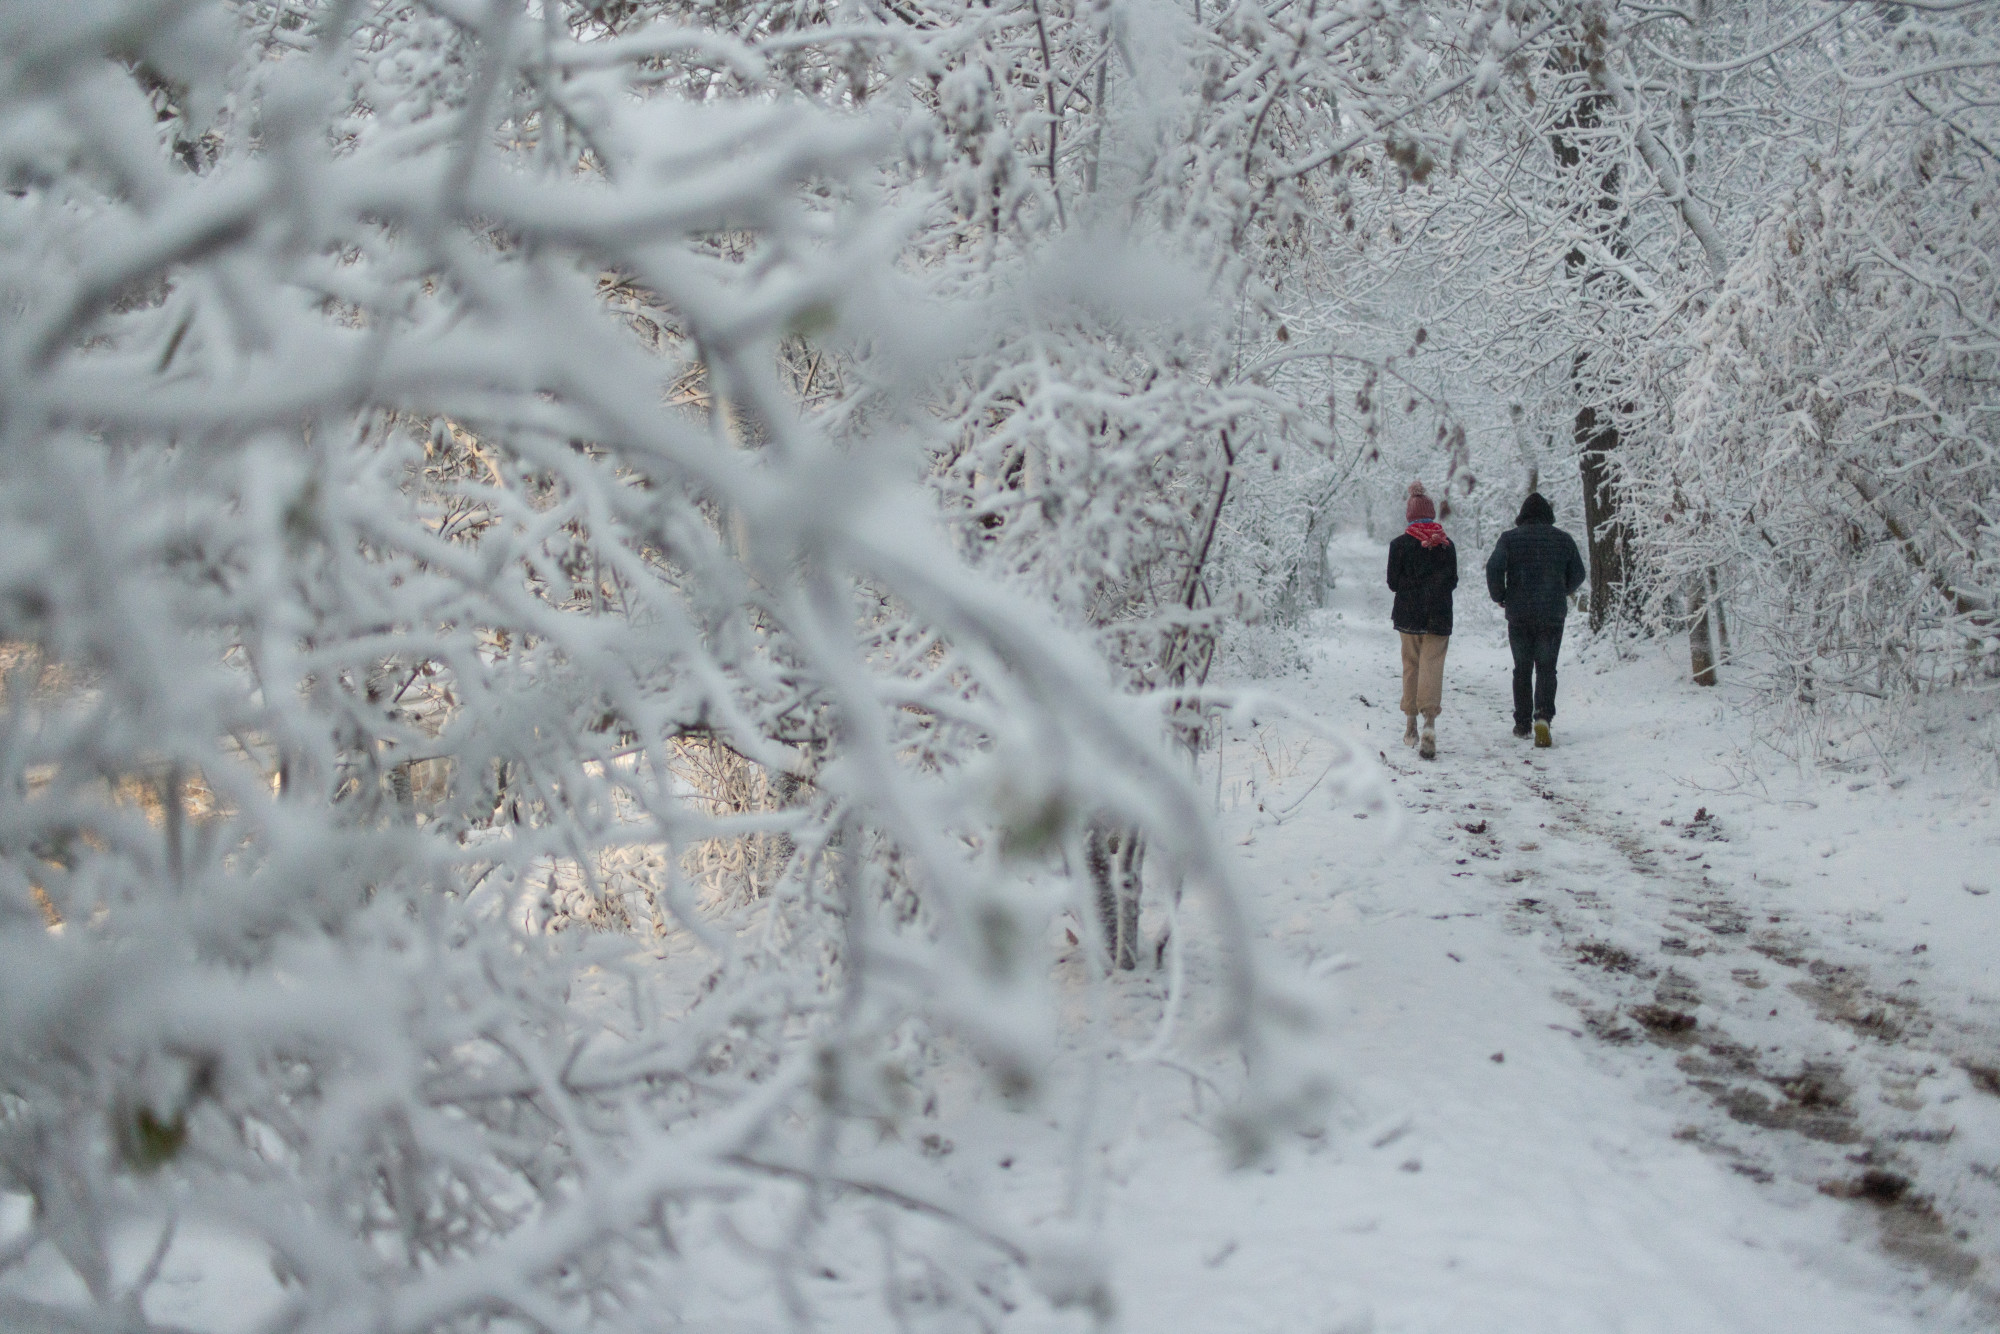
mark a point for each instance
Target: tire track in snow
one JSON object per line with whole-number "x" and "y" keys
{"x": 1809, "y": 1072}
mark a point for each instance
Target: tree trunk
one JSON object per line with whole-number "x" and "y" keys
{"x": 1721, "y": 619}
{"x": 1701, "y": 640}
{"x": 1604, "y": 531}
{"x": 1598, "y": 208}
{"x": 1116, "y": 858}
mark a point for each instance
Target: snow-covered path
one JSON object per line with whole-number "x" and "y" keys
{"x": 1625, "y": 1046}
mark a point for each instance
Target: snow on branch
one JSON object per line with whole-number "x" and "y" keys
{"x": 427, "y": 526}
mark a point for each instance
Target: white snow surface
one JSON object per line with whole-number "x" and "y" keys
{"x": 1512, "y": 1149}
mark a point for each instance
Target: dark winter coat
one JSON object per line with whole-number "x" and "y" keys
{"x": 1534, "y": 567}
{"x": 1422, "y": 578}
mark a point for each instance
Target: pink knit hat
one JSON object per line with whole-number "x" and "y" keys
{"x": 1420, "y": 509}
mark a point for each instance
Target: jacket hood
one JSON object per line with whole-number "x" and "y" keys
{"x": 1535, "y": 509}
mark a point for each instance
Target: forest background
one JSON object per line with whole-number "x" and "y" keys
{"x": 587, "y": 585}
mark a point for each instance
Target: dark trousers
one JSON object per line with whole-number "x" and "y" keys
{"x": 1535, "y": 649}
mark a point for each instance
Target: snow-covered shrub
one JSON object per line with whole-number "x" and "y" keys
{"x": 401, "y": 466}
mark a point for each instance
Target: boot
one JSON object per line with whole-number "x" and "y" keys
{"x": 1542, "y": 738}
{"x": 1428, "y": 747}
{"x": 1410, "y": 730}
{"x": 1522, "y": 730}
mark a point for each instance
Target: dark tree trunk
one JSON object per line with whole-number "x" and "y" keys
{"x": 1604, "y": 533}
{"x": 1721, "y": 617}
{"x": 1596, "y": 205}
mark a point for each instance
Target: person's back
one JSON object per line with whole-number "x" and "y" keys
{"x": 1423, "y": 570}
{"x": 1422, "y": 578}
{"x": 1534, "y": 568}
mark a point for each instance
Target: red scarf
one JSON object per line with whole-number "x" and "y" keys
{"x": 1428, "y": 533}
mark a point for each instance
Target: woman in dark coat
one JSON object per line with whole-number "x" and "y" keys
{"x": 1423, "y": 569}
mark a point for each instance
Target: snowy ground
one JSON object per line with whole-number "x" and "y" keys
{"x": 1628, "y": 1042}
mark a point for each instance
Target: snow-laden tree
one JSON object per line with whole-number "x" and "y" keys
{"x": 412, "y": 461}
{"x": 1140, "y": 439}
{"x": 1098, "y": 458}
{"x": 1832, "y": 457}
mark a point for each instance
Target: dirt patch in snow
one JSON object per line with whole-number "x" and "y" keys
{"x": 1804, "y": 1085}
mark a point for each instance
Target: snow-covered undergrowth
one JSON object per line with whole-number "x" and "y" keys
{"x": 369, "y": 590}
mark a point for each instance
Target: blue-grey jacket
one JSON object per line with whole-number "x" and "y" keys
{"x": 1534, "y": 568}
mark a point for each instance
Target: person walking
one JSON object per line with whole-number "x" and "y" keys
{"x": 1534, "y": 568}
{"x": 1423, "y": 570}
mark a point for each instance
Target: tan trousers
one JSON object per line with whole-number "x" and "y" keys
{"x": 1423, "y": 673}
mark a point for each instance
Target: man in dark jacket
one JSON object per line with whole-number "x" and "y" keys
{"x": 1423, "y": 570}
{"x": 1534, "y": 568}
